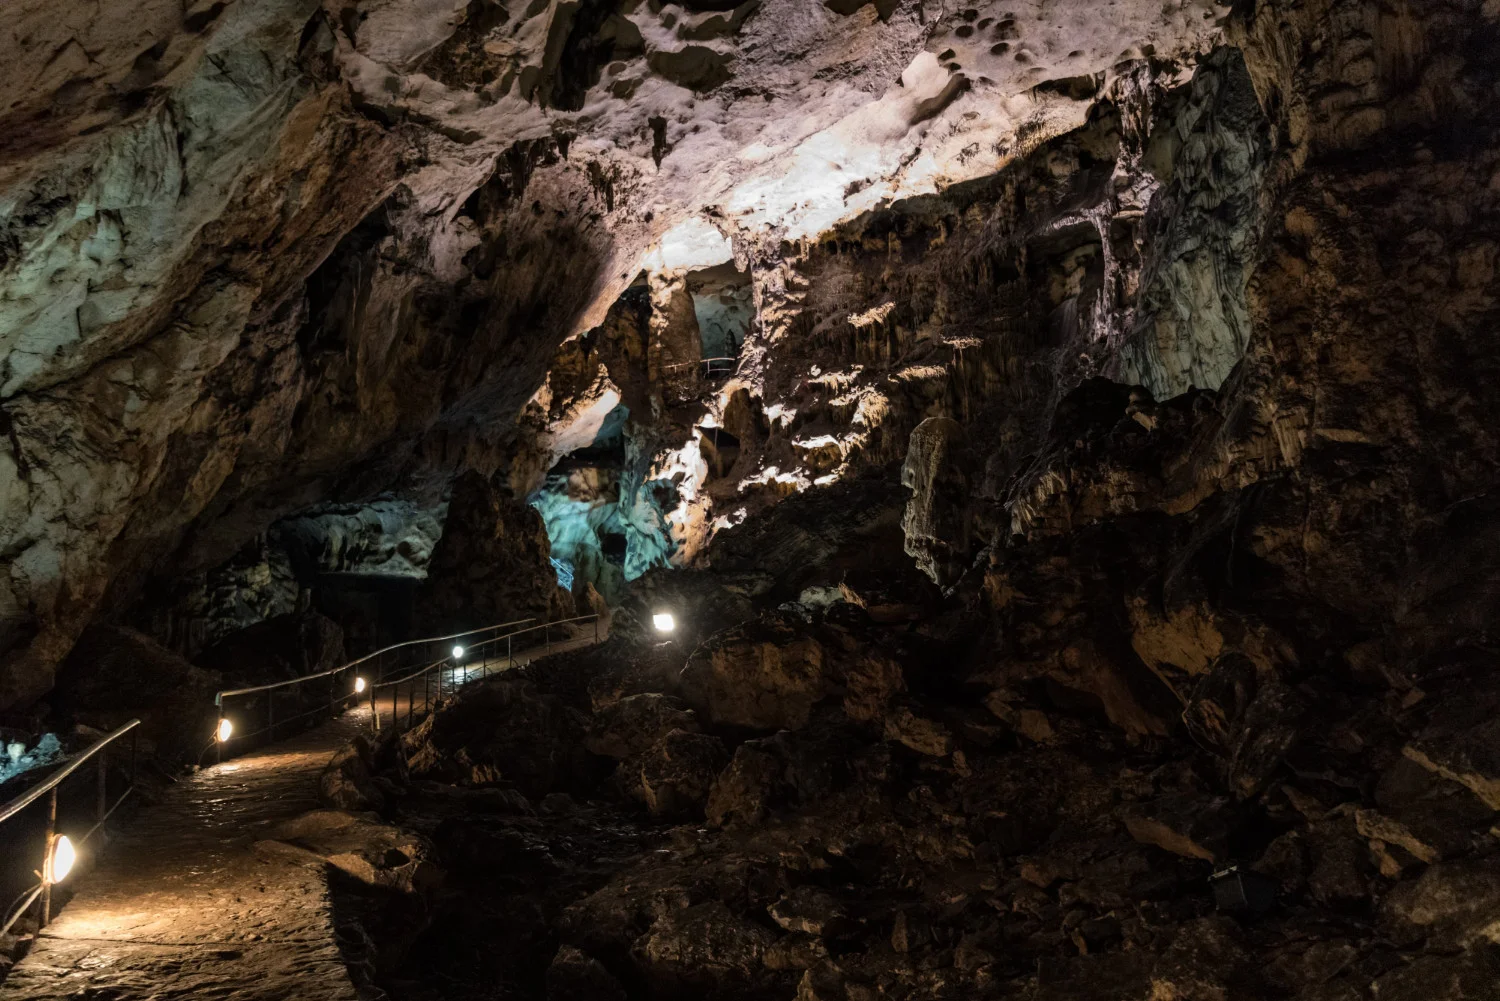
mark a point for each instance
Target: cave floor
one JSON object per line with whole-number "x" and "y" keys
{"x": 183, "y": 905}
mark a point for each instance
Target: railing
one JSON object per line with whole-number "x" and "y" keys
{"x": 711, "y": 366}
{"x": 229, "y": 730}
{"x": 455, "y": 680}
{"x": 52, "y": 860}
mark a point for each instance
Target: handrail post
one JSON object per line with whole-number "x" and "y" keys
{"x": 46, "y": 859}
{"x": 374, "y": 711}
{"x": 596, "y": 627}
{"x": 547, "y": 633}
{"x": 509, "y": 656}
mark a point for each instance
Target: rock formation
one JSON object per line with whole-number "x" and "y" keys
{"x": 1063, "y": 433}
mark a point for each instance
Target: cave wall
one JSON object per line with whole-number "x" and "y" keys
{"x": 274, "y": 253}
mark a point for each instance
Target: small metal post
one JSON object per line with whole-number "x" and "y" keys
{"x": 374, "y": 711}
{"x": 596, "y": 627}
{"x": 509, "y": 658}
{"x": 47, "y": 860}
{"x": 411, "y": 696}
{"x": 547, "y": 632}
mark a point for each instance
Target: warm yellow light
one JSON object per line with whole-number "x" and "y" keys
{"x": 458, "y": 652}
{"x": 225, "y": 731}
{"x": 60, "y": 860}
{"x": 664, "y": 622}
{"x": 359, "y": 685}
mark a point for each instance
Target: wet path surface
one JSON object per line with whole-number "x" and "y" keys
{"x": 183, "y": 906}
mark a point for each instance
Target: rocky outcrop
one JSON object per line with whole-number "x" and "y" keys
{"x": 492, "y": 564}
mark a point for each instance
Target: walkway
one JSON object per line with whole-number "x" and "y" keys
{"x": 182, "y": 906}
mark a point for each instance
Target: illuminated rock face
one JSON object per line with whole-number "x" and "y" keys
{"x": 269, "y": 254}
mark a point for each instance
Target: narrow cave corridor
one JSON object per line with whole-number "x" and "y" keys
{"x": 774, "y": 500}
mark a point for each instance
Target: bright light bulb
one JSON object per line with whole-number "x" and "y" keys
{"x": 664, "y": 622}
{"x": 225, "y": 731}
{"x": 61, "y": 862}
{"x": 359, "y": 685}
{"x": 458, "y": 652}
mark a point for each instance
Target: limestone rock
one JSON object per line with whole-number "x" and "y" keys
{"x": 765, "y": 675}
{"x": 1191, "y": 826}
{"x": 1456, "y": 903}
{"x": 491, "y": 564}
{"x": 631, "y": 726}
{"x": 678, "y": 772}
{"x": 347, "y": 783}
{"x": 704, "y": 941}
{"x": 577, "y": 976}
{"x": 743, "y": 791}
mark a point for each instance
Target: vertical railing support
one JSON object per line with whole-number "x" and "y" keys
{"x": 47, "y": 859}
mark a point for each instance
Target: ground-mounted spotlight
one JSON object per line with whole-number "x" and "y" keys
{"x": 458, "y": 653}
{"x": 664, "y": 622}
{"x": 225, "y": 730}
{"x": 60, "y": 859}
{"x": 359, "y": 686}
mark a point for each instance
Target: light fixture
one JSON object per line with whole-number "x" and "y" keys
{"x": 359, "y": 685}
{"x": 60, "y": 859}
{"x": 225, "y": 730}
{"x": 458, "y": 652}
{"x": 664, "y": 622}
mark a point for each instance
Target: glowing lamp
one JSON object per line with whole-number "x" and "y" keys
{"x": 359, "y": 685}
{"x": 60, "y": 859}
{"x": 225, "y": 730}
{"x": 664, "y": 622}
{"x": 458, "y": 652}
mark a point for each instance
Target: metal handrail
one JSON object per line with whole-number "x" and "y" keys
{"x": 104, "y": 812}
{"x": 24, "y": 800}
{"x": 421, "y": 672}
{"x": 701, "y": 361}
{"x": 220, "y": 696}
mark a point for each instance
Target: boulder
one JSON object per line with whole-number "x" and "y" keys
{"x": 1186, "y": 825}
{"x": 116, "y": 674}
{"x": 492, "y": 563}
{"x": 1461, "y": 740}
{"x": 704, "y": 942}
{"x": 678, "y": 772}
{"x": 1471, "y": 976}
{"x": 574, "y": 975}
{"x": 502, "y": 729}
{"x": 743, "y": 791}
{"x": 765, "y": 675}
{"x": 1453, "y": 903}
{"x": 630, "y": 726}
{"x": 348, "y": 782}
